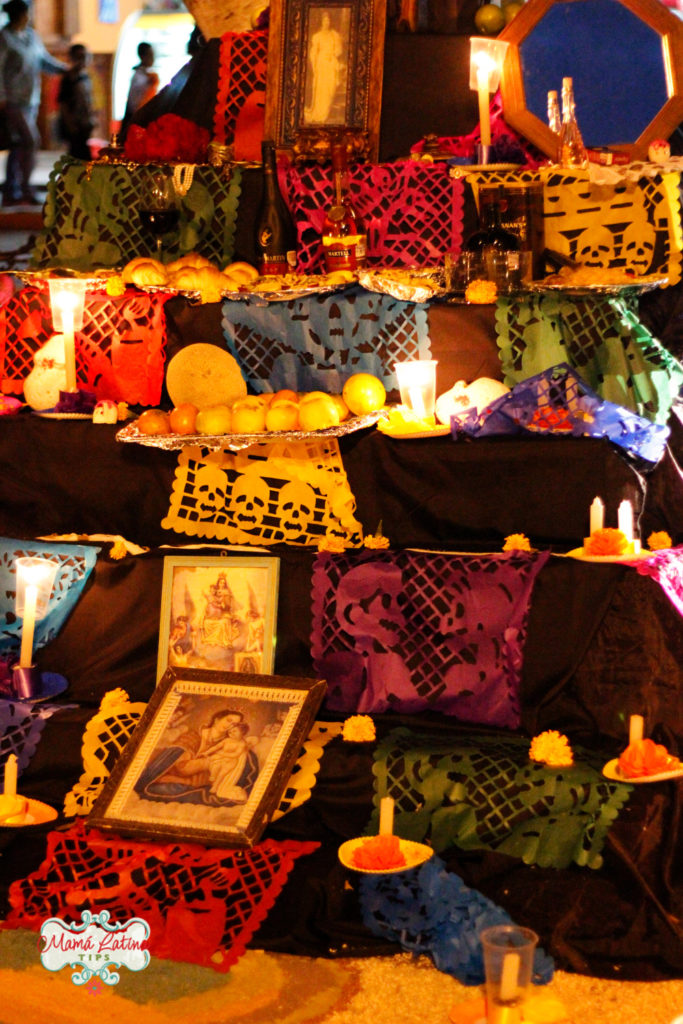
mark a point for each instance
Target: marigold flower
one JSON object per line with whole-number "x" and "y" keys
{"x": 115, "y": 286}
{"x": 645, "y": 757}
{"x": 606, "y": 542}
{"x": 552, "y": 748}
{"x": 658, "y": 540}
{"x": 359, "y": 729}
{"x": 379, "y": 853}
{"x": 376, "y": 540}
{"x": 118, "y": 550}
{"x": 481, "y": 292}
{"x": 516, "y": 542}
{"x": 335, "y": 545}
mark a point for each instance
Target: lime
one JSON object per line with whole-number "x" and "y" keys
{"x": 489, "y": 19}
{"x": 510, "y": 9}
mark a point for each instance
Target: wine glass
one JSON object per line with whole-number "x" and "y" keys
{"x": 157, "y": 208}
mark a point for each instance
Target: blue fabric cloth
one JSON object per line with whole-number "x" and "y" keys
{"x": 430, "y": 910}
{"x": 76, "y": 562}
{"x": 315, "y": 343}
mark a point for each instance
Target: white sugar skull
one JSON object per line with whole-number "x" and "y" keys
{"x": 638, "y": 247}
{"x": 48, "y": 376}
{"x": 295, "y": 508}
{"x": 249, "y": 501}
{"x": 105, "y": 411}
{"x": 211, "y": 488}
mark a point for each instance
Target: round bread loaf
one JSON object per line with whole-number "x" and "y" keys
{"x": 204, "y": 375}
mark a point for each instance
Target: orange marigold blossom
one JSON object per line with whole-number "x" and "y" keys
{"x": 481, "y": 292}
{"x": 335, "y": 545}
{"x": 658, "y": 540}
{"x": 379, "y": 853}
{"x": 358, "y": 729}
{"x": 552, "y": 748}
{"x": 606, "y": 542}
{"x": 516, "y": 542}
{"x": 645, "y": 757}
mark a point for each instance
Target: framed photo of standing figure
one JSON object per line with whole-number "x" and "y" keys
{"x": 218, "y": 614}
{"x": 210, "y": 758}
{"x": 325, "y": 66}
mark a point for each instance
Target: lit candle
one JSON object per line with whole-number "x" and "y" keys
{"x": 27, "y": 629}
{"x": 635, "y": 729}
{"x": 10, "y": 783}
{"x": 484, "y": 100}
{"x": 386, "y": 816}
{"x": 625, "y": 519}
{"x": 508, "y": 977}
{"x": 418, "y": 402}
{"x": 69, "y": 344}
{"x": 597, "y": 515}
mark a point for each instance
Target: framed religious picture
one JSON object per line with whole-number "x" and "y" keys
{"x": 218, "y": 614}
{"x": 324, "y": 80}
{"x": 210, "y": 758}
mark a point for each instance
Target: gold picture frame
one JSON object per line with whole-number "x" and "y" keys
{"x": 218, "y": 614}
{"x": 210, "y": 758}
{"x": 324, "y": 78}
{"x": 601, "y": 56}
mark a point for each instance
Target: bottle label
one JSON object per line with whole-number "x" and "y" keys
{"x": 346, "y": 253}
{"x": 276, "y": 263}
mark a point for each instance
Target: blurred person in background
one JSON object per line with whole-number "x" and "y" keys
{"x": 23, "y": 58}
{"x": 76, "y": 119}
{"x": 143, "y": 86}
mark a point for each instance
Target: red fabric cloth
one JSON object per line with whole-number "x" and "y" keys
{"x": 202, "y": 905}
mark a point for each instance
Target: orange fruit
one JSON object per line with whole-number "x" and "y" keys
{"x": 341, "y": 406}
{"x": 282, "y": 415}
{"x": 364, "y": 393}
{"x": 214, "y": 419}
{"x": 182, "y": 418}
{"x": 154, "y": 421}
{"x": 249, "y": 416}
{"x": 510, "y": 9}
{"x": 489, "y": 19}
{"x": 318, "y": 411}
{"x": 287, "y": 393}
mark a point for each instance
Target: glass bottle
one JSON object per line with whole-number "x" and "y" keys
{"x": 571, "y": 150}
{"x": 344, "y": 239}
{"x": 491, "y": 236}
{"x": 554, "y": 120}
{"x": 275, "y": 231}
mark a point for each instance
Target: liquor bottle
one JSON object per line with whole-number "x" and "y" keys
{"x": 344, "y": 238}
{"x": 491, "y": 235}
{"x": 554, "y": 120}
{"x": 571, "y": 150}
{"x": 275, "y": 231}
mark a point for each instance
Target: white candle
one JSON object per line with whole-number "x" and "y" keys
{"x": 386, "y": 816}
{"x": 635, "y": 728}
{"x": 69, "y": 346}
{"x": 417, "y": 401}
{"x": 597, "y": 515}
{"x": 484, "y": 112}
{"x": 508, "y": 977}
{"x": 10, "y": 783}
{"x": 625, "y": 519}
{"x": 28, "y": 626}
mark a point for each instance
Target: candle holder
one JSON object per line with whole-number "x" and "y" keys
{"x": 486, "y": 65}
{"x": 67, "y": 301}
{"x": 417, "y": 384}
{"x": 35, "y": 578}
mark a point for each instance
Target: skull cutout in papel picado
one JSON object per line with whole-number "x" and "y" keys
{"x": 211, "y": 488}
{"x": 296, "y": 506}
{"x": 595, "y": 247}
{"x": 249, "y": 501}
{"x": 638, "y": 247}
{"x": 370, "y": 613}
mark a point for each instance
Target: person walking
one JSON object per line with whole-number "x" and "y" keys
{"x": 76, "y": 119}
{"x": 143, "y": 86}
{"x": 23, "y": 57}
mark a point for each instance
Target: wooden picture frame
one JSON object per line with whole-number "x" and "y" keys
{"x": 210, "y": 758}
{"x": 218, "y": 614}
{"x": 595, "y": 59}
{"x": 324, "y": 78}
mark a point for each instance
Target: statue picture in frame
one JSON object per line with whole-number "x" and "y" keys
{"x": 324, "y": 78}
{"x": 626, "y": 60}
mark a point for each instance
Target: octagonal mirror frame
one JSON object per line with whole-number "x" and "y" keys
{"x": 654, "y": 15}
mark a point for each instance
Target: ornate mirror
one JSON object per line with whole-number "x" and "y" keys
{"x": 626, "y": 59}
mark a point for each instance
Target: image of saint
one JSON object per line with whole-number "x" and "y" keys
{"x": 326, "y": 76}
{"x": 220, "y": 624}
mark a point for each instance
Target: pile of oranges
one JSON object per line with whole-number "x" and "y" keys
{"x": 283, "y": 410}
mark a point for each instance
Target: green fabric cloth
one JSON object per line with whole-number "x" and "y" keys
{"x": 601, "y": 337}
{"x": 91, "y": 216}
{"x": 483, "y": 793}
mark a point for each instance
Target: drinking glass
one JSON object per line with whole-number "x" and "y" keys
{"x": 508, "y": 966}
{"x": 158, "y": 208}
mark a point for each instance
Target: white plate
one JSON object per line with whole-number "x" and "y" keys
{"x": 62, "y": 415}
{"x": 645, "y": 285}
{"x": 440, "y": 431}
{"x": 414, "y": 853}
{"x": 611, "y": 771}
{"x": 577, "y": 553}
